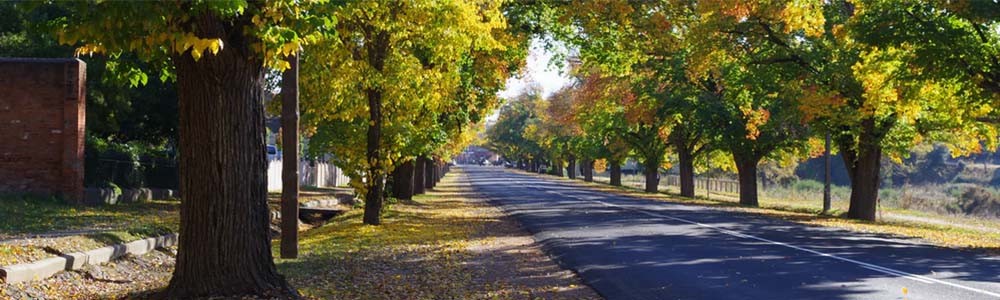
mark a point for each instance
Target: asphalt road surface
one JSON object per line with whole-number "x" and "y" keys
{"x": 630, "y": 248}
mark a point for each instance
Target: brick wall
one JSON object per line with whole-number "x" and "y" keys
{"x": 42, "y": 117}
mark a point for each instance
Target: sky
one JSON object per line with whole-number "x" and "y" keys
{"x": 537, "y": 70}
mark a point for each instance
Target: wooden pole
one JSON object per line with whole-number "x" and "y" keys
{"x": 826, "y": 178}
{"x": 290, "y": 160}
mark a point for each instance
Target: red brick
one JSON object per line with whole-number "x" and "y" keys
{"x": 42, "y": 119}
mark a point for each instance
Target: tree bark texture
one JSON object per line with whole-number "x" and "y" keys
{"x": 615, "y": 169}
{"x": 418, "y": 176}
{"x": 402, "y": 181}
{"x": 652, "y": 172}
{"x": 863, "y": 168}
{"x": 290, "y": 160}
{"x": 428, "y": 173}
{"x": 377, "y": 48}
{"x": 225, "y": 247}
{"x": 686, "y": 167}
{"x": 747, "y": 174}
{"x": 376, "y": 180}
{"x": 587, "y": 170}
{"x": 437, "y": 171}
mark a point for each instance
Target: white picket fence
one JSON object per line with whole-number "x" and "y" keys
{"x": 318, "y": 174}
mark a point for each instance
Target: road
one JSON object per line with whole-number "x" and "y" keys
{"x": 631, "y": 248}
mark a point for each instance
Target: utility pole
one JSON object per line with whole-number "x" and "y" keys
{"x": 290, "y": 160}
{"x": 826, "y": 178}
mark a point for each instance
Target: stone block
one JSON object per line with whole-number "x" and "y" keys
{"x": 33, "y": 271}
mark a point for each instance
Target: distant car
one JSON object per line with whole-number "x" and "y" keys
{"x": 273, "y": 153}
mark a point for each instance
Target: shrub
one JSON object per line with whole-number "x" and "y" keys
{"x": 127, "y": 165}
{"x": 977, "y": 201}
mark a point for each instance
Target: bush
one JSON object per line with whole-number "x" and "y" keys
{"x": 977, "y": 201}
{"x": 996, "y": 178}
{"x": 128, "y": 165}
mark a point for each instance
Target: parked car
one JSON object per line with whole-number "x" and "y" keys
{"x": 273, "y": 153}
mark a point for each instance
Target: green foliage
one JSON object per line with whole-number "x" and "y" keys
{"x": 109, "y": 163}
{"x": 508, "y": 135}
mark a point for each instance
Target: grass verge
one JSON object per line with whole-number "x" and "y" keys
{"x": 82, "y": 227}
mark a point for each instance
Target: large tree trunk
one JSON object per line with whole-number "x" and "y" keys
{"x": 571, "y": 168}
{"x": 686, "y": 167}
{"x": 652, "y": 172}
{"x": 587, "y": 168}
{"x": 419, "y": 185}
{"x": 747, "y": 173}
{"x": 225, "y": 243}
{"x": 615, "y": 170}
{"x": 402, "y": 181}
{"x": 863, "y": 166}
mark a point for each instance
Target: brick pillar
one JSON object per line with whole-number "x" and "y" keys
{"x": 74, "y": 126}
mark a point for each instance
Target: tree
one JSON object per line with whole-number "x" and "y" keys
{"x": 873, "y": 100}
{"x": 748, "y": 90}
{"x": 219, "y": 53}
{"x": 403, "y": 60}
{"x": 630, "y": 42}
{"x": 507, "y": 136}
{"x": 600, "y": 118}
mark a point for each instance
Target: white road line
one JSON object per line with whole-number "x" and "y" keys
{"x": 865, "y": 265}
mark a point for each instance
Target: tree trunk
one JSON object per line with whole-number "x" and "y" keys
{"x": 652, "y": 172}
{"x": 377, "y": 50}
{"x": 418, "y": 176}
{"x": 402, "y": 181}
{"x": 863, "y": 167}
{"x": 376, "y": 178}
{"x": 615, "y": 169}
{"x": 225, "y": 243}
{"x": 686, "y": 161}
{"x": 290, "y": 160}
{"x": 571, "y": 169}
{"x": 437, "y": 171}
{"x": 556, "y": 168}
{"x": 588, "y": 170}
{"x": 428, "y": 173}
{"x": 747, "y": 173}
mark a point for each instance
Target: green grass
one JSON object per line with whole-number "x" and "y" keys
{"x": 28, "y": 215}
{"x": 25, "y": 216}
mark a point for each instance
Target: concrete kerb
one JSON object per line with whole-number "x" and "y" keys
{"x": 74, "y": 261}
